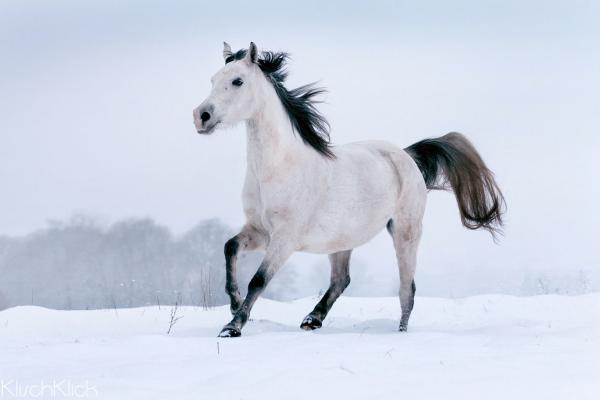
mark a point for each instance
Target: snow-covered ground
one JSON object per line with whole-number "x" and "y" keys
{"x": 484, "y": 347}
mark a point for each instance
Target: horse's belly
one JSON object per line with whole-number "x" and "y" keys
{"x": 362, "y": 196}
{"x": 350, "y": 224}
{"x": 319, "y": 243}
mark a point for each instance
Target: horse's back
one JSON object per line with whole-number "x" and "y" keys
{"x": 412, "y": 191}
{"x": 405, "y": 168}
{"x": 369, "y": 183}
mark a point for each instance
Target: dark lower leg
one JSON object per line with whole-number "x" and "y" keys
{"x": 407, "y": 301}
{"x": 256, "y": 286}
{"x": 231, "y": 287}
{"x": 248, "y": 239}
{"x": 340, "y": 279}
{"x": 274, "y": 259}
{"x": 406, "y": 240}
{"x": 315, "y": 319}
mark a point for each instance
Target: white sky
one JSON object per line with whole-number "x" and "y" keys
{"x": 96, "y": 101}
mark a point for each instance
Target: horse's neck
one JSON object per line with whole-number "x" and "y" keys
{"x": 271, "y": 141}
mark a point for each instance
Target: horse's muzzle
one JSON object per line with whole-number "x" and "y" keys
{"x": 204, "y": 121}
{"x": 208, "y": 128}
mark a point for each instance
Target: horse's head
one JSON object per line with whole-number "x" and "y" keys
{"x": 232, "y": 98}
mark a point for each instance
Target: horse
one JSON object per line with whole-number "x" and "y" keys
{"x": 303, "y": 194}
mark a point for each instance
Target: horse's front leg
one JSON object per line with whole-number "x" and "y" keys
{"x": 277, "y": 252}
{"x": 249, "y": 238}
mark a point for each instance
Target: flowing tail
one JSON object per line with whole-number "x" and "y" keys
{"x": 451, "y": 162}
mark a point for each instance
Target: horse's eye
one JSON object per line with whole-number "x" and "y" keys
{"x": 237, "y": 82}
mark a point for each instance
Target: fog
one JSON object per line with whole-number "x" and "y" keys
{"x": 80, "y": 264}
{"x": 96, "y": 101}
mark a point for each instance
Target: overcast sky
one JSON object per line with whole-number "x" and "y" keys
{"x": 96, "y": 100}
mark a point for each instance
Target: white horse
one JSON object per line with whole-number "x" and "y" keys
{"x": 303, "y": 194}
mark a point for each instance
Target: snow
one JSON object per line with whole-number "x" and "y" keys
{"x": 492, "y": 347}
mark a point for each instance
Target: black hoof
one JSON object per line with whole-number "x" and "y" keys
{"x": 230, "y": 332}
{"x": 311, "y": 323}
{"x": 403, "y": 328}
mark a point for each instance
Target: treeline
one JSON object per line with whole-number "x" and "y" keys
{"x": 82, "y": 265}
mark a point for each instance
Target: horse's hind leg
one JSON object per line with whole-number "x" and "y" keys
{"x": 406, "y": 236}
{"x": 340, "y": 279}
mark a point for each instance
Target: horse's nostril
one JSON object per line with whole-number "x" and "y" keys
{"x": 205, "y": 116}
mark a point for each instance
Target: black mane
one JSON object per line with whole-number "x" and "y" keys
{"x": 299, "y": 103}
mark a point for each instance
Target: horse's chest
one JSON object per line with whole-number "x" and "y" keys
{"x": 269, "y": 204}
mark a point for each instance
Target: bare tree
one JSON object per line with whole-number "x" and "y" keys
{"x": 543, "y": 285}
{"x": 174, "y": 317}
{"x": 207, "y": 288}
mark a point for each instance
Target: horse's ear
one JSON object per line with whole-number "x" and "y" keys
{"x": 226, "y": 51}
{"x": 252, "y": 53}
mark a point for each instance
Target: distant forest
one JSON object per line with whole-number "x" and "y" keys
{"x": 81, "y": 265}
